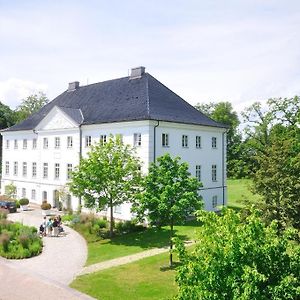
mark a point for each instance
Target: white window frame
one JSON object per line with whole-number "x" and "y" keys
{"x": 118, "y": 209}
{"x": 137, "y": 139}
{"x": 15, "y": 144}
{"x": 34, "y": 168}
{"x": 33, "y": 194}
{"x": 214, "y": 142}
{"x": 45, "y": 143}
{"x": 16, "y": 168}
{"x": 45, "y": 170}
{"x": 184, "y": 141}
{"x": 214, "y": 173}
{"x": 198, "y": 141}
{"x": 24, "y": 169}
{"x": 7, "y": 144}
{"x": 69, "y": 170}
{"x": 214, "y": 201}
{"x": 34, "y": 143}
{"x": 57, "y": 142}
{"x": 7, "y": 168}
{"x": 56, "y": 170}
{"x": 70, "y": 142}
{"x": 198, "y": 172}
{"x": 88, "y": 141}
{"x": 24, "y": 143}
{"x": 165, "y": 140}
{"x": 103, "y": 139}
{"x": 23, "y": 192}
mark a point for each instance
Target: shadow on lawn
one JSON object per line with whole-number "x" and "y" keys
{"x": 150, "y": 238}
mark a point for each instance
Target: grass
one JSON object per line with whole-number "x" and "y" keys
{"x": 144, "y": 279}
{"x": 239, "y": 193}
{"x": 131, "y": 243}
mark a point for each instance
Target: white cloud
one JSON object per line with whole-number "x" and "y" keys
{"x": 13, "y": 90}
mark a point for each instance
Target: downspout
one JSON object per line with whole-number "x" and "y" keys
{"x": 80, "y": 154}
{"x": 154, "y": 144}
{"x": 223, "y": 167}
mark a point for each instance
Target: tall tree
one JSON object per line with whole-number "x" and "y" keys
{"x": 223, "y": 112}
{"x": 30, "y": 105}
{"x": 169, "y": 194}
{"x": 237, "y": 258}
{"x": 108, "y": 176}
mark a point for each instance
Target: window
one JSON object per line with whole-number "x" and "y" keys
{"x": 214, "y": 201}
{"x": 16, "y": 144}
{"x": 24, "y": 169}
{"x": 56, "y": 171}
{"x": 137, "y": 139}
{"x": 102, "y": 139}
{"x": 57, "y": 142}
{"x": 214, "y": 172}
{"x": 34, "y": 144}
{"x": 88, "y": 141}
{"x": 7, "y": 144}
{"x": 184, "y": 141}
{"x": 45, "y": 170}
{"x": 198, "y": 172}
{"x": 7, "y": 168}
{"x": 69, "y": 170}
{"x": 45, "y": 143}
{"x": 34, "y": 169}
{"x": 198, "y": 141}
{"x": 25, "y": 144}
{"x": 16, "y": 168}
{"x": 33, "y": 194}
{"x": 214, "y": 142}
{"x": 44, "y": 196}
{"x": 69, "y": 141}
{"x": 117, "y": 209}
{"x": 165, "y": 140}
{"x": 23, "y": 192}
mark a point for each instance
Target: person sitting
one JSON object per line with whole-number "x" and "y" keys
{"x": 55, "y": 227}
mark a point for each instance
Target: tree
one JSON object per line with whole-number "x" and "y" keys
{"x": 109, "y": 176}
{"x": 239, "y": 259}
{"x": 169, "y": 194}
{"x": 30, "y": 105}
{"x": 223, "y": 112}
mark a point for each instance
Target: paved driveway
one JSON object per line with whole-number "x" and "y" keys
{"x": 62, "y": 257}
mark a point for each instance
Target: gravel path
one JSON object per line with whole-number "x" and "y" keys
{"x": 62, "y": 258}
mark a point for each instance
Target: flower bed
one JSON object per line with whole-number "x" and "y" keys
{"x": 17, "y": 240}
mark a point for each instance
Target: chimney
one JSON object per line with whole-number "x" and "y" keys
{"x": 137, "y": 72}
{"x": 73, "y": 86}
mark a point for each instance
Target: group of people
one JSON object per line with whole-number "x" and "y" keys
{"x": 51, "y": 227}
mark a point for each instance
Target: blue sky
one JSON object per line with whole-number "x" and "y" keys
{"x": 240, "y": 51}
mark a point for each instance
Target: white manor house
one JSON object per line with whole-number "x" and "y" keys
{"x": 40, "y": 152}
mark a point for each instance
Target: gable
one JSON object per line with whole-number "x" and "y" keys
{"x": 56, "y": 119}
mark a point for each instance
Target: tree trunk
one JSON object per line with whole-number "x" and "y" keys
{"x": 111, "y": 225}
{"x": 171, "y": 243}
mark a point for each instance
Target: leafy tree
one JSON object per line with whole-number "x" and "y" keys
{"x": 10, "y": 190}
{"x": 239, "y": 259}
{"x": 169, "y": 194}
{"x": 30, "y": 105}
{"x": 223, "y": 112}
{"x": 108, "y": 176}
{"x": 277, "y": 179}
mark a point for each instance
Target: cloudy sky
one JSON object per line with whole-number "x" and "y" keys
{"x": 241, "y": 51}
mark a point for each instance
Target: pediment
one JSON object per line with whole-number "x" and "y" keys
{"x": 56, "y": 119}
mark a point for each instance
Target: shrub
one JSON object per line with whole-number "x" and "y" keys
{"x": 3, "y": 214}
{"x": 4, "y": 241}
{"x": 17, "y": 204}
{"x": 23, "y": 201}
{"x": 45, "y": 205}
{"x": 67, "y": 218}
{"x": 102, "y": 223}
{"x": 24, "y": 240}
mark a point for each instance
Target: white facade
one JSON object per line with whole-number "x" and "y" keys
{"x": 60, "y": 141}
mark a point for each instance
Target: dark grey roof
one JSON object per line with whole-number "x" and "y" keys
{"x": 122, "y": 99}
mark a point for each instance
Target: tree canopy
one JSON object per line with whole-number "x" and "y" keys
{"x": 239, "y": 259}
{"x": 169, "y": 194}
{"x": 107, "y": 177}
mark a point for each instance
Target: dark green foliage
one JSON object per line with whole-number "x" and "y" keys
{"x": 237, "y": 258}
{"x": 23, "y": 201}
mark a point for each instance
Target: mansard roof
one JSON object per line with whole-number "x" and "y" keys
{"x": 119, "y": 100}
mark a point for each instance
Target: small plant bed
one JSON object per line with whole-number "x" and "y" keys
{"x": 18, "y": 241}
{"x": 144, "y": 279}
{"x": 129, "y": 238}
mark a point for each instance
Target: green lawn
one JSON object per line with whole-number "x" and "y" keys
{"x": 239, "y": 193}
{"x": 144, "y": 279}
{"x": 131, "y": 243}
